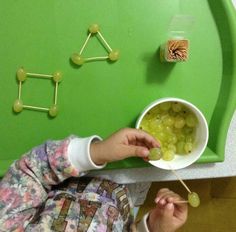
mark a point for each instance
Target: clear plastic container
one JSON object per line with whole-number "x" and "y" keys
{"x": 176, "y": 48}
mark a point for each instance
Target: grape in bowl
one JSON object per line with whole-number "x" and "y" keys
{"x": 181, "y": 129}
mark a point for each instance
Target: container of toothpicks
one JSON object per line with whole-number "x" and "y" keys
{"x": 175, "y": 50}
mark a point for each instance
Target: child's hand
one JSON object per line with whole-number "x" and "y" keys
{"x": 122, "y": 144}
{"x": 167, "y": 216}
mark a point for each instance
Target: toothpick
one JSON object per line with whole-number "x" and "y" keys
{"x": 180, "y": 202}
{"x": 39, "y": 75}
{"x": 55, "y": 95}
{"x": 105, "y": 42}
{"x": 178, "y": 177}
{"x": 96, "y": 58}
{"x": 20, "y": 87}
{"x": 85, "y": 43}
{"x": 35, "y": 108}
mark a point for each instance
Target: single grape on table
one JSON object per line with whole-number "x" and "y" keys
{"x": 174, "y": 126}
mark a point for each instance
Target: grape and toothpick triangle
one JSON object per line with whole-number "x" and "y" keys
{"x": 113, "y": 55}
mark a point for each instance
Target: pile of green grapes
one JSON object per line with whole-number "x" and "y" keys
{"x": 174, "y": 126}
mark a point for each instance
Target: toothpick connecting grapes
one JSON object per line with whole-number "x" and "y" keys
{"x": 113, "y": 55}
{"x": 22, "y": 76}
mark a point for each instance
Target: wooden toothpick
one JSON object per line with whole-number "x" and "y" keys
{"x": 178, "y": 177}
{"x": 104, "y": 41}
{"x": 85, "y": 43}
{"x": 180, "y": 202}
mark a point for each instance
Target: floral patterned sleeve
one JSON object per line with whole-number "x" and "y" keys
{"x": 28, "y": 181}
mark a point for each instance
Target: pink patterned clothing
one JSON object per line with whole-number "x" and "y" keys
{"x": 47, "y": 190}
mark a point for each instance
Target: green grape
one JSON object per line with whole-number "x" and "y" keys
{"x": 172, "y": 139}
{"x": 57, "y": 76}
{"x": 152, "y": 132}
{"x": 172, "y": 113}
{"x": 171, "y": 147}
{"x": 180, "y": 147}
{"x": 18, "y": 106}
{"x": 168, "y": 155}
{"x": 53, "y": 111}
{"x": 176, "y": 107}
{"x": 162, "y": 136}
{"x": 144, "y": 122}
{"x": 168, "y": 120}
{"x": 165, "y": 106}
{"x": 158, "y": 116}
{"x": 164, "y": 144}
{"x": 167, "y": 129}
{"x": 163, "y": 148}
{"x": 159, "y": 127}
{"x": 77, "y": 59}
{"x": 94, "y": 28}
{"x": 144, "y": 128}
{"x": 155, "y": 136}
{"x": 147, "y": 116}
{"x": 193, "y": 199}
{"x": 184, "y": 112}
{"x": 114, "y": 55}
{"x": 189, "y": 138}
{"x": 147, "y": 120}
{"x": 188, "y": 130}
{"x": 177, "y": 131}
{"x": 163, "y": 115}
{"x": 188, "y": 147}
{"x": 179, "y": 122}
{"x": 155, "y": 110}
{"x": 155, "y": 154}
{"x": 181, "y": 137}
{"x": 21, "y": 74}
{"x": 191, "y": 120}
{"x": 155, "y": 124}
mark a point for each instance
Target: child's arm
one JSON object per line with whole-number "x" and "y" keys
{"x": 24, "y": 188}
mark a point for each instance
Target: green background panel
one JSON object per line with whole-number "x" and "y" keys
{"x": 101, "y": 97}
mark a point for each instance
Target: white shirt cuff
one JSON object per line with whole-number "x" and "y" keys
{"x": 142, "y": 225}
{"x": 79, "y": 153}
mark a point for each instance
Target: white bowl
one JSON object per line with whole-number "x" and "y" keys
{"x": 182, "y": 161}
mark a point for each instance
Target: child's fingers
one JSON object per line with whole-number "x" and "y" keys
{"x": 167, "y": 196}
{"x": 143, "y": 137}
{"x": 172, "y": 198}
{"x": 162, "y": 192}
{"x": 132, "y": 150}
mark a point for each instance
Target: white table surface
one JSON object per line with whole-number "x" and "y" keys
{"x": 195, "y": 171}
